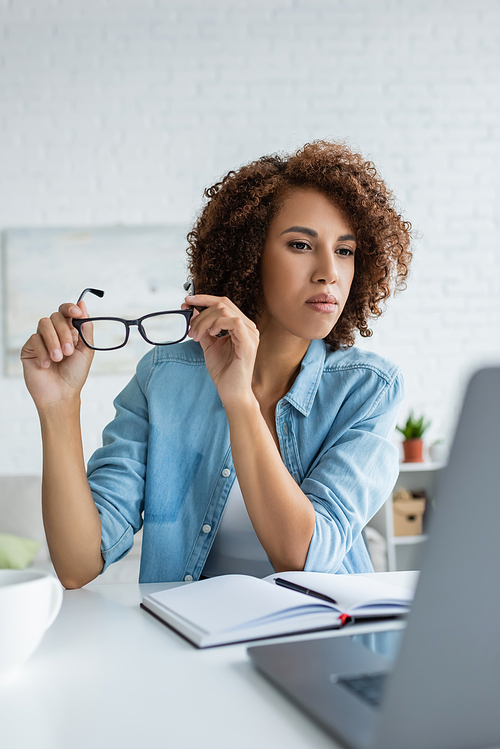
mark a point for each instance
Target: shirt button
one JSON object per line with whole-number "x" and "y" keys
{"x": 188, "y": 579}
{"x": 285, "y": 428}
{"x": 206, "y": 528}
{"x": 226, "y": 472}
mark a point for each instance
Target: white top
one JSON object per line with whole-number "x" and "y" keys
{"x": 236, "y": 548}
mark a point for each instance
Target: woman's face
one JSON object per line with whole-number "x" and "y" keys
{"x": 307, "y": 266}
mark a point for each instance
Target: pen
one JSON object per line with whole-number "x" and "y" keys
{"x": 301, "y": 589}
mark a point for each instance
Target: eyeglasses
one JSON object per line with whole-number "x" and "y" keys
{"x": 111, "y": 333}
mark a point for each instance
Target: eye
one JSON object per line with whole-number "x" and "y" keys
{"x": 300, "y": 245}
{"x": 345, "y": 251}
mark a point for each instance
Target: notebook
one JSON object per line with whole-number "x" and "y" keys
{"x": 443, "y": 689}
{"x": 234, "y": 608}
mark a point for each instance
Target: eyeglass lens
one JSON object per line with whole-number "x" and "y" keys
{"x": 107, "y": 334}
{"x": 162, "y": 329}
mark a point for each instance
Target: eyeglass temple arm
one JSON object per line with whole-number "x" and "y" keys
{"x": 189, "y": 289}
{"x": 97, "y": 292}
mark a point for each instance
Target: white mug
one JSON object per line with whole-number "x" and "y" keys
{"x": 29, "y": 602}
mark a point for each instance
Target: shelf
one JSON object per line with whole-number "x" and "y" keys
{"x": 402, "y": 540}
{"x": 403, "y": 552}
{"x": 428, "y": 466}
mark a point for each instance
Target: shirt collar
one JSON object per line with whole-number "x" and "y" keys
{"x": 303, "y": 391}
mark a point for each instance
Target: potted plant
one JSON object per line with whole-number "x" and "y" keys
{"x": 412, "y": 432}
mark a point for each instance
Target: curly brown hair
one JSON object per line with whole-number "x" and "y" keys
{"x": 226, "y": 243}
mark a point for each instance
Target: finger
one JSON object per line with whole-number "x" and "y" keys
{"x": 72, "y": 311}
{"x": 195, "y": 311}
{"x": 221, "y": 325}
{"x": 87, "y": 331}
{"x": 69, "y": 310}
{"x": 48, "y": 333}
{"x": 213, "y": 320}
{"x": 204, "y": 321}
{"x": 220, "y": 306}
{"x": 87, "y": 328}
{"x": 207, "y": 300}
{"x": 35, "y": 348}
{"x": 62, "y": 326}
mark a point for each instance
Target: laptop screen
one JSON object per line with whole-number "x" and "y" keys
{"x": 386, "y": 643}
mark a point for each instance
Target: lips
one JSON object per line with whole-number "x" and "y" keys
{"x": 323, "y": 303}
{"x": 322, "y": 299}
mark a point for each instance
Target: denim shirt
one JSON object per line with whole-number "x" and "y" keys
{"x": 166, "y": 463}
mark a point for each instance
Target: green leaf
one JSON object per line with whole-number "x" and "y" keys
{"x": 414, "y": 428}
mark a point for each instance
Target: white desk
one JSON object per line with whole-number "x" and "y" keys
{"x": 107, "y": 674}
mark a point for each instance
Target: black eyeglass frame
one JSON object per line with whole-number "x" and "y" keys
{"x": 187, "y": 313}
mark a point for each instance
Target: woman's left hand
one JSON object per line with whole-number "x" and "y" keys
{"x": 230, "y": 359}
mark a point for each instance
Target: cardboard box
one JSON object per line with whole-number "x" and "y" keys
{"x": 408, "y": 515}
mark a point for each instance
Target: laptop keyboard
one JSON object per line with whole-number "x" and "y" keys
{"x": 370, "y": 688}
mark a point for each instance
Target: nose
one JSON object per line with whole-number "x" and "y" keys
{"x": 326, "y": 269}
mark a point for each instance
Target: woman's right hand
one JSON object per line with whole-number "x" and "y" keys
{"x": 55, "y": 360}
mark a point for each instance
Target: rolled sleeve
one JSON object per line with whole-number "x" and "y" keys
{"x": 117, "y": 471}
{"x": 350, "y": 482}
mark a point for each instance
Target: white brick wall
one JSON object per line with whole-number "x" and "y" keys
{"x": 124, "y": 110}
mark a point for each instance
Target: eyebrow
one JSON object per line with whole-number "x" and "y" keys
{"x": 301, "y": 230}
{"x": 314, "y": 233}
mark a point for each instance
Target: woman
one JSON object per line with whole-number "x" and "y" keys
{"x": 269, "y": 402}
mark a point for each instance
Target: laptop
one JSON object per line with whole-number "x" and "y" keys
{"x": 442, "y": 691}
